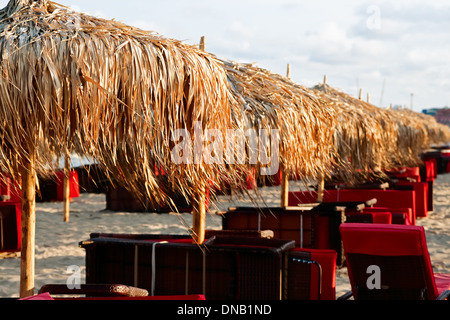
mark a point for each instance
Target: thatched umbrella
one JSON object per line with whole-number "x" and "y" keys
{"x": 374, "y": 139}
{"x": 367, "y": 137}
{"x": 265, "y": 100}
{"x": 72, "y": 83}
{"x": 436, "y": 133}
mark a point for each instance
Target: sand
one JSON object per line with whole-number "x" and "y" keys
{"x": 57, "y": 242}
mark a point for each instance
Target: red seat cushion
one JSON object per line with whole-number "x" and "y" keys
{"x": 382, "y": 217}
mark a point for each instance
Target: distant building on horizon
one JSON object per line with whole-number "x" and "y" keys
{"x": 442, "y": 115}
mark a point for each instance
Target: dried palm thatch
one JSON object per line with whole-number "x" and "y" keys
{"x": 436, "y": 133}
{"x": 371, "y": 139}
{"x": 375, "y": 139}
{"x": 70, "y": 82}
{"x": 261, "y": 99}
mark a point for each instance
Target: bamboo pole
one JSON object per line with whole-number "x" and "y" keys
{"x": 284, "y": 177}
{"x": 202, "y": 43}
{"x": 284, "y": 188}
{"x": 320, "y": 189}
{"x": 199, "y": 205}
{"x": 66, "y": 189}
{"x": 199, "y": 215}
{"x": 28, "y": 222}
{"x": 321, "y": 182}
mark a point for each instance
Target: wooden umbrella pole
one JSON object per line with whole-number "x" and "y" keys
{"x": 202, "y": 43}
{"x": 284, "y": 188}
{"x": 321, "y": 182}
{"x": 28, "y": 221}
{"x": 284, "y": 177}
{"x": 198, "y": 204}
{"x": 320, "y": 189}
{"x": 66, "y": 189}
{"x": 199, "y": 215}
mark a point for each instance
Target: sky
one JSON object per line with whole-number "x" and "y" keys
{"x": 396, "y": 52}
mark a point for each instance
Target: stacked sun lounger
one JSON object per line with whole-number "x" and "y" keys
{"x": 52, "y": 188}
{"x": 10, "y": 215}
{"x": 225, "y": 267}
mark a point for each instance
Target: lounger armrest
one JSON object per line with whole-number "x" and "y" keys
{"x": 371, "y": 202}
{"x": 346, "y": 296}
{"x": 444, "y": 295}
{"x": 319, "y": 269}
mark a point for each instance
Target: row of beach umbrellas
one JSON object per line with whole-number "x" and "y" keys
{"x": 71, "y": 83}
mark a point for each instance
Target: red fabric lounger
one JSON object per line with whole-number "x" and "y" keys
{"x": 421, "y": 190}
{"x": 402, "y": 255}
{"x": 10, "y": 235}
{"x": 385, "y": 198}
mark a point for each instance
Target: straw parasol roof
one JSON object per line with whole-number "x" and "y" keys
{"x": 72, "y": 83}
{"x": 368, "y": 139}
{"x": 375, "y": 139}
{"x": 436, "y": 133}
{"x": 261, "y": 99}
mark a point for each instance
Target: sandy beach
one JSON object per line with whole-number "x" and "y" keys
{"x": 57, "y": 242}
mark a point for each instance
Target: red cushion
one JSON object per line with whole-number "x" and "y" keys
{"x": 378, "y": 239}
{"x": 382, "y": 217}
